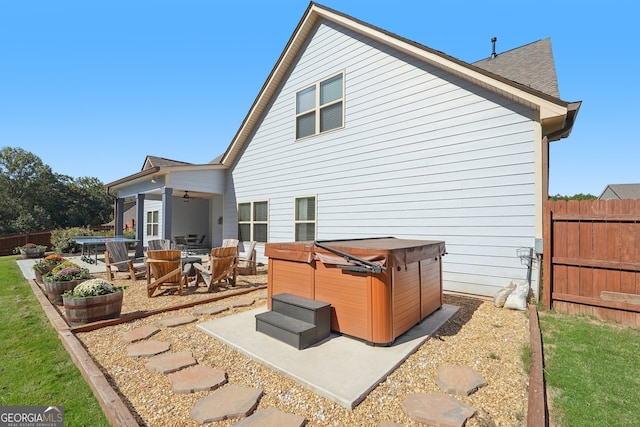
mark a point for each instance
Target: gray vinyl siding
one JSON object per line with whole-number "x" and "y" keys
{"x": 422, "y": 155}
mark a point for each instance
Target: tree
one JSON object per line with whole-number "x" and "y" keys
{"x": 578, "y": 196}
{"x": 33, "y": 197}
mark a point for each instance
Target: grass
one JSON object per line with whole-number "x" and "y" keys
{"x": 593, "y": 369}
{"x": 36, "y": 369}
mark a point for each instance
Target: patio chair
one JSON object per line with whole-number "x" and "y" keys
{"x": 226, "y": 243}
{"x": 118, "y": 262}
{"x": 167, "y": 270}
{"x": 223, "y": 266}
{"x": 159, "y": 244}
{"x": 247, "y": 263}
{"x": 181, "y": 242}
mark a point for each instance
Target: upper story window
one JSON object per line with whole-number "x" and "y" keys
{"x": 320, "y": 107}
{"x": 253, "y": 221}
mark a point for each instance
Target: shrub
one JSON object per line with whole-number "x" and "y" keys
{"x": 60, "y": 239}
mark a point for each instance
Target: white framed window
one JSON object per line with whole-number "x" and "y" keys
{"x": 305, "y": 218}
{"x": 320, "y": 107}
{"x": 152, "y": 223}
{"x": 253, "y": 221}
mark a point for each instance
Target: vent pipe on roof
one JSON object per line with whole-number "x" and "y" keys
{"x": 493, "y": 49}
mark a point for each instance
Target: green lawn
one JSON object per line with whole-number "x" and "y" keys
{"x": 36, "y": 370}
{"x": 592, "y": 369}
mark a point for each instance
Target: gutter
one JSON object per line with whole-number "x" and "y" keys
{"x": 572, "y": 114}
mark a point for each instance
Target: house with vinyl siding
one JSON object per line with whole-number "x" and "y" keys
{"x": 358, "y": 132}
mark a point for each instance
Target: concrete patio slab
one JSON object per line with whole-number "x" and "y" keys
{"x": 339, "y": 368}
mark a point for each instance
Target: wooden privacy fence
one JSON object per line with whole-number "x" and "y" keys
{"x": 9, "y": 242}
{"x": 592, "y": 258}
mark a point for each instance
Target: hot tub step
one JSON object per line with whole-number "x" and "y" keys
{"x": 305, "y": 309}
{"x": 291, "y": 331}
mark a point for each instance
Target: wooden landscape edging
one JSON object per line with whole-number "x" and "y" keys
{"x": 537, "y": 411}
{"x": 592, "y": 258}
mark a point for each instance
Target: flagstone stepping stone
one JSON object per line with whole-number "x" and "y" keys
{"x": 271, "y": 417}
{"x": 147, "y": 348}
{"x": 197, "y": 378}
{"x": 460, "y": 380}
{"x": 231, "y": 401}
{"x": 140, "y": 334}
{"x": 242, "y": 302}
{"x": 171, "y": 362}
{"x": 214, "y": 309}
{"x": 389, "y": 424}
{"x": 173, "y": 321}
{"x": 437, "y": 409}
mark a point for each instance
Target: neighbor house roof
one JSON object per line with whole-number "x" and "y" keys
{"x": 531, "y": 65}
{"x": 556, "y": 116}
{"x": 621, "y": 191}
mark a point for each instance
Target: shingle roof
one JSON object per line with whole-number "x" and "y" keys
{"x": 530, "y": 65}
{"x": 622, "y": 191}
{"x": 153, "y": 161}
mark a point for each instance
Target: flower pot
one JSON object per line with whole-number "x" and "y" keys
{"x": 41, "y": 271}
{"x": 80, "y": 311}
{"x": 54, "y": 290}
{"x": 32, "y": 252}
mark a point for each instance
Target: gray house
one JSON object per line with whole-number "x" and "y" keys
{"x": 620, "y": 192}
{"x": 358, "y": 132}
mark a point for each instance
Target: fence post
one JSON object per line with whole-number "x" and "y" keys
{"x": 547, "y": 265}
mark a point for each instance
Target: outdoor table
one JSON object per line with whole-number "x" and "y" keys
{"x": 89, "y": 243}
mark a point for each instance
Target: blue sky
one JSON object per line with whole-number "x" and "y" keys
{"x": 93, "y": 87}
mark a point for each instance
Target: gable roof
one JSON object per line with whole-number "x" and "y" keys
{"x": 557, "y": 116}
{"x": 622, "y": 191}
{"x": 153, "y": 161}
{"x": 531, "y": 65}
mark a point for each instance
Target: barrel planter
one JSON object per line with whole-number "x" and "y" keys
{"x": 36, "y": 252}
{"x": 54, "y": 290}
{"x": 41, "y": 271}
{"x": 80, "y": 311}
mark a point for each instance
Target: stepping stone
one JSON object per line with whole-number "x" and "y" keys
{"x": 263, "y": 296}
{"x": 232, "y": 401}
{"x": 197, "y": 378}
{"x": 173, "y": 321}
{"x": 437, "y": 409}
{"x": 147, "y": 348}
{"x": 214, "y": 309}
{"x": 140, "y": 334}
{"x": 460, "y": 380}
{"x": 389, "y": 424}
{"x": 271, "y": 417}
{"x": 242, "y": 302}
{"x": 171, "y": 362}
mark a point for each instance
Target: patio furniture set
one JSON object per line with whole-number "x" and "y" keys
{"x": 175, "y": 268}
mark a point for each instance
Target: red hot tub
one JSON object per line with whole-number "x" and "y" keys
{"x": 375, "y": 304}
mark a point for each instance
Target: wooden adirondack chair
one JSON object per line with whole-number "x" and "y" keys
{"x": 223, "y": 266}
{"x": 247, "y": 264}
{"x": 167, "y": 270}
{"x": 159, "y": 245}
{"x": 118, "y": 262}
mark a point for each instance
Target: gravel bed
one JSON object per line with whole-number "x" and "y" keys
{"x": 481, "y": 336}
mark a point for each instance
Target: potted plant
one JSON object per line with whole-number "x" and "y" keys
{"x": 92, "y": 300}
{"x": 62, "y": 278}
{"x": 45, "y": 266}
{"x": 30, "y": 250}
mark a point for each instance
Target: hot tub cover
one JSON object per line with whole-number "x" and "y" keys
{"x": 386, "y": 251}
